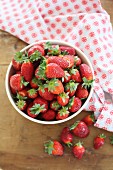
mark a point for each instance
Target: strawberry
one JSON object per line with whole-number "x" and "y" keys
{"x": 34, "y": 83}
{"x": 63, "y": 113}
{"x": 81, "y": 92}
{"x": 41, "y": 102}
{"x": 66, "y": 77}
{"x": 55, "y": 86}
{"x": 86, "y": 71}
{"x": 21, "y": 104}
{"x": 53, "y": 70}
{"x": 74, "y": 104}
{"x": 33, "y": 110}
{"x": 54, "y": 105}
{"x": 80, "y": 129}
{"x": 70, "y": 60}
{"x": 36, "y": 48}
{"x": 71, "y": 87}
{"x": 111, "y": 139}
{"x": 16, "y": 65}
{"x": 40, "y": 70}
{"x": 66, "y": 136}
{"x": 18, "y": 60}
{"x": 23, "y": 93}
{"x": 54, "y": 148}
{"x": 89, "y": 119}
{"x": 78, "y": 150}
{"x": 13, "y": 91}
{"x": 58, "y": 60}
{"x": 77, "y": 60}
{"x": 17, "y": 82}
{"x": 63, "y": 99}
{"x": 44, "y": 93}
{"x": 67, "y": 49}
{"x": 51, "y": 49}
{"x": 49, "y": 115}
{"x": 27, "y": 70}
{"x": 75, "y": 75}
{"x": 99, "y": 141}
{"x": 32, "y": 93}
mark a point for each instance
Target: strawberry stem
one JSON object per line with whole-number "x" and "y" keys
{"x": 102, "y": 136}
{"x": 74, "y": 125}
{"x": 49, "y": 147}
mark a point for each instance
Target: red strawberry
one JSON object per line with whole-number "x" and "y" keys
{"x": 77, "y": 60}
{"x": 49, "y": 115}
{"x": 21, "y": 104}
{"x": 71, "y": 87}
{"x": 33, "y": 110}
{"x": 34, "y": 83}
{"x": 66, "y": 136}
{"x": 67, "y": 49}
{"x": 23, "y": 93}
{"x": 44, "y": 93}
{"x": 32, "y": 93}
{"x": 81, "y": 92}
{"x": 17, "y": 60}
{"x": 55, "y": 86}
{"x": 63, "y": 113}
{"x": 54, "y": 105}
{"x": 89, "y": 119}
{"x": 99, "y": 141}
{"x": 54, "y": 148}
{"x": 37, "y": 73}
{"x": 16, "y": 65}
{"x": 13, "y": 91}
{"x": 86, "y": 72}
{"x": 58, "y": 60}
{"x": 75, "y": 75}
{"x": 78, "y": 150}
{"x": 27, "y": 70}
{"x": 53, "y": 70}
{"x": 74, "y": 104}
{"x": 41, "y": 102}
{"x": 80, "y": 129}
{"x": 70, "y": 60}
{"x": 66, "y": 77}
{"x": 17, "y": 82}
{"x": 63, "y": 99}
{"x": 36, "y": 48}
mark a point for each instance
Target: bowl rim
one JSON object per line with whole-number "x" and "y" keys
{"x": 40, "y": 121}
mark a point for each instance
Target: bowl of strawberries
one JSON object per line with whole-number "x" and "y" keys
{"x": 50, "y": 81}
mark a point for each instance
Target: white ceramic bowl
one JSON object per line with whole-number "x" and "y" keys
{"x": 10, "y": 71}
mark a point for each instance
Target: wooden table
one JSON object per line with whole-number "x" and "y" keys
{"x": 21, "y": 141}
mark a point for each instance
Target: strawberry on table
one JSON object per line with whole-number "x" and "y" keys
{"x": 69, "y": 59}
{"x": 74, "y": 104}
{"x": 77, "y": 60}
{"x": 66, "y": 77}
{"x": 54, "y": 105}
{"x": 67, "y": 49}
{"x": 63, "y": 99}
{"x": 41, "y": 102}
{"x": 78, "y": 150}
{"x": 27, "y": 70}
{"x": 71, "y": 87}
{"x": 55, "y": 86}
{"x": 99, "y": 141}
{"x": 36, "y": 48}
{"x": 49, "y": 115}
{"x": 66, "y": 136}
{"x": 80, "y": 129}
{"x": 81, "y": 92}
{"x": 86, "y": 72}
{"x": 32, "y": 93}
{"x": 63, "y": 113}
{"x": 21, "y": 104}
{"x": 75, "y": 75}
{"x": 45, "y": 93}
{"x": 89, "y": 119}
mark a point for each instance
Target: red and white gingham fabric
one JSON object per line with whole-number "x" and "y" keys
{"x": 83, "y": 23}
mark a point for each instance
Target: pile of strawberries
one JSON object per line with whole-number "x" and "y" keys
{"x": 50, "y": 82}
{"x": 79, "y": 129}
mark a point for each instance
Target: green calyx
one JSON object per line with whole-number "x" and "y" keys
{"x": 64, "y": 52}
{"x": 74, "y": 125}
{"x": 20, "y": 104}
{"x": 37, "y": 108}
{"x": 51, "y": 84}
{"x": 32, "y": 91}
{"x": 47, "y": 46}
{"x": 102, "y": 136}
{"x": 79, "y": 144}
{"x": 55, "y": 105}
{"x": 49, "y": 147}
{"x": 36, "y": 81}
{"x": 65, "y": 76}
{"x": 71, "y": 102}
{"x": 63, "y": 111}
{"x": 111, "y": 139}
{"x": 20, "y": 57}
{"x": 69, "y": 144}
{"x": 72, "y": 86}
{"x": 92, "y": 117}
{"x": 25, "y": 83}
{"x": 87, "y": 83}
{"x": 73, "y": 71}
{"x": 19, "y": 97}
{"x": 52, "y": 50}
{"x": 42, "y": 87}
{"x": 42, "y": 69}
{"x": 35, "y": 56}
{"x": 64, "y": 96}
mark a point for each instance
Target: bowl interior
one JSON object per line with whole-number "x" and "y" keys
{"x": 10, "y": 71}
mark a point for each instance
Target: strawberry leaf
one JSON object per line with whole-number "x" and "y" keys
{"x": 35, "y": 56}
{"x": 64, "y": 52}
{"x": 25, "y": 83}
{"x": 42, "y": 69}
{"x": 74, "y": 125}
{"x": 47, "y": 46}
{"x": 21, "y": 97}
{"x": 87, "y": 83}
{"x": 51, "y": 84}
{"x": 20, "y": 104}
{"x": 20, "y": 57}
{"x": 37, "y": 108}
{"x": 49, "y": 147}
{"x": 63, "y": 111}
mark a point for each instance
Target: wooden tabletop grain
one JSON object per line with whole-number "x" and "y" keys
{"x": 21, "y": 141}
